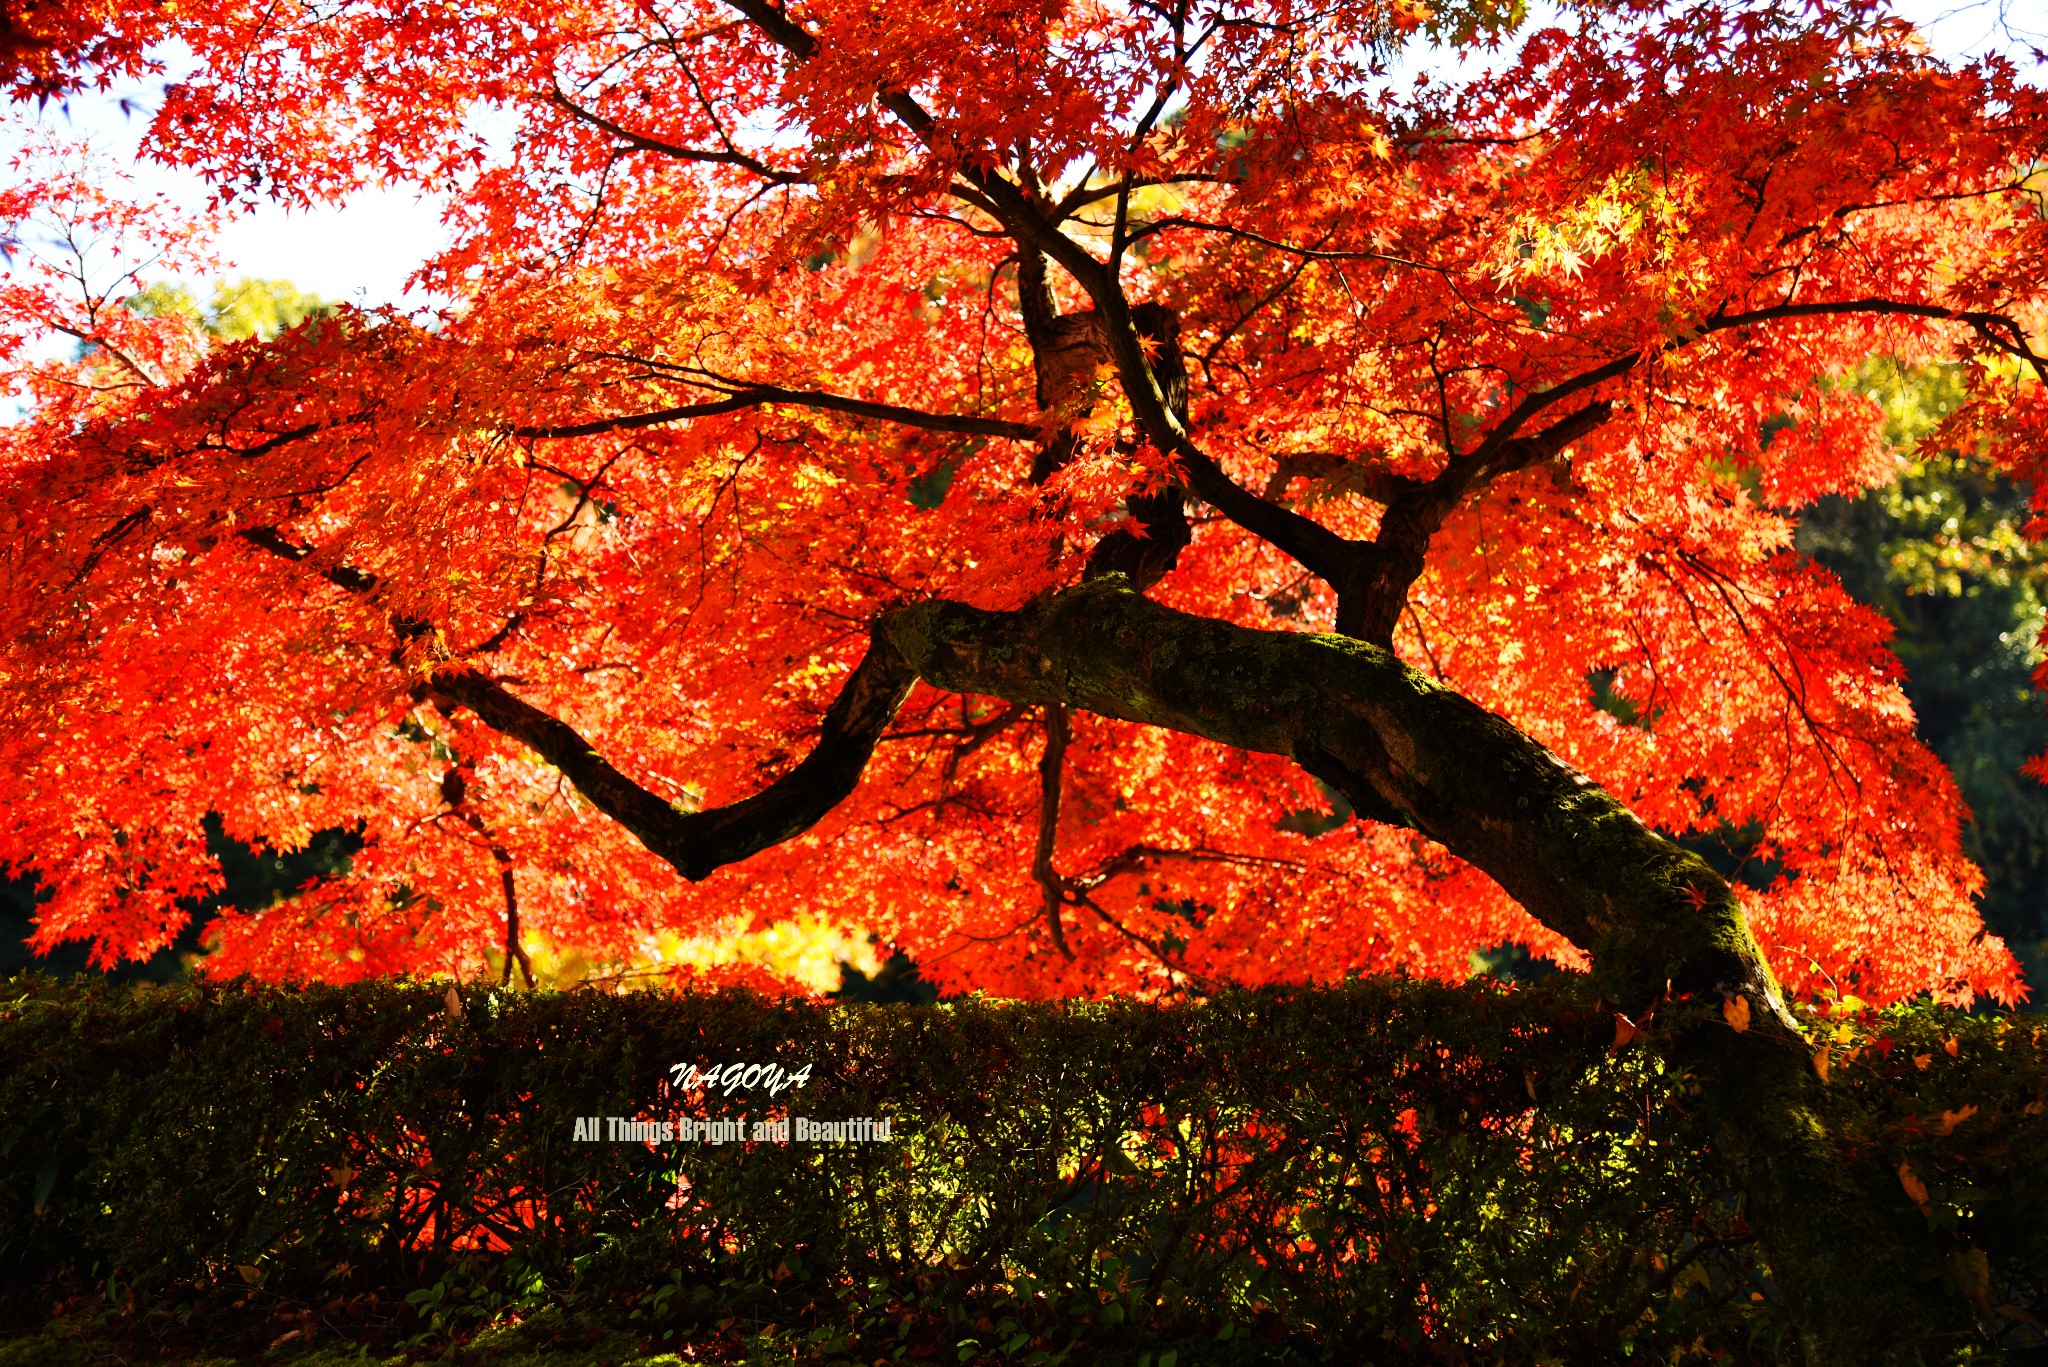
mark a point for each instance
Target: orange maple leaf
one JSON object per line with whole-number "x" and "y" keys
{"x": 1735, "y": 1011}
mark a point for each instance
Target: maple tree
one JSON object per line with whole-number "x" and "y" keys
{"x": 998, "y": 476}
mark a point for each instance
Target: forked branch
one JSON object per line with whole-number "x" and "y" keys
{"x": 1051, "y": 773}
{"x": 455, "y": 792}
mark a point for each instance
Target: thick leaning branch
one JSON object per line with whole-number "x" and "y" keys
{"x": 1399, "y": 745}
{"x": 1403, "y": 748}
{"x": 757, "y": 396}
{"x": 700, "y": 843}
{"x": 696, "y": 843}
{"x": 1658, "y": 921}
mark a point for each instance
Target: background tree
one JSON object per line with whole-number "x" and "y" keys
{"x": 1944, "y": 554}
{"x": 234, "y": 310}
{"x": 1002, "y": 461}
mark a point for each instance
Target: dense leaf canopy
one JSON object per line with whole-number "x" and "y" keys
{"x": 767, "y": 323}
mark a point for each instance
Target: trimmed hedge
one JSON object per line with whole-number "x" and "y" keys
{"x": 1386, "y": 1170}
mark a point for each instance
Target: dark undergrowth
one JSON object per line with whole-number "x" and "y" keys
{"x": 1384, "y": 1171}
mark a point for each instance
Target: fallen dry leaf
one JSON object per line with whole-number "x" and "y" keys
{"x": 1736, "y": 1012}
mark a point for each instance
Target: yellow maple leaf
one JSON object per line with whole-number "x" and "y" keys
{"x": 1736, "y": 1012}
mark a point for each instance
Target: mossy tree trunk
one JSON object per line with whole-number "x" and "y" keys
{"x": 1660, "y": 925}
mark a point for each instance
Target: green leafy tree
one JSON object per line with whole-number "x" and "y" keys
{"x": 1943, "y": 554}
{"x": 235, "y": 309}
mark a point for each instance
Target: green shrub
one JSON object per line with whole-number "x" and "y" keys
{"x": 1391, "y": 1170}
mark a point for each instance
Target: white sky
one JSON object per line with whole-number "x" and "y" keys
{"x": 364, "y": 250}
{"x": 361, "y": 251}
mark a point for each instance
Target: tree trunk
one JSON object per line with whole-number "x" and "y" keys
{"x": 1665, "y": 932}
{"x": 1659, "y": 924}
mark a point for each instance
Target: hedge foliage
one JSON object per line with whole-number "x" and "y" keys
{"x": 1387, "y": 1171}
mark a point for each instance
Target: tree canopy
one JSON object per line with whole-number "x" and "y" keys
{"x": 771, "y": 326}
